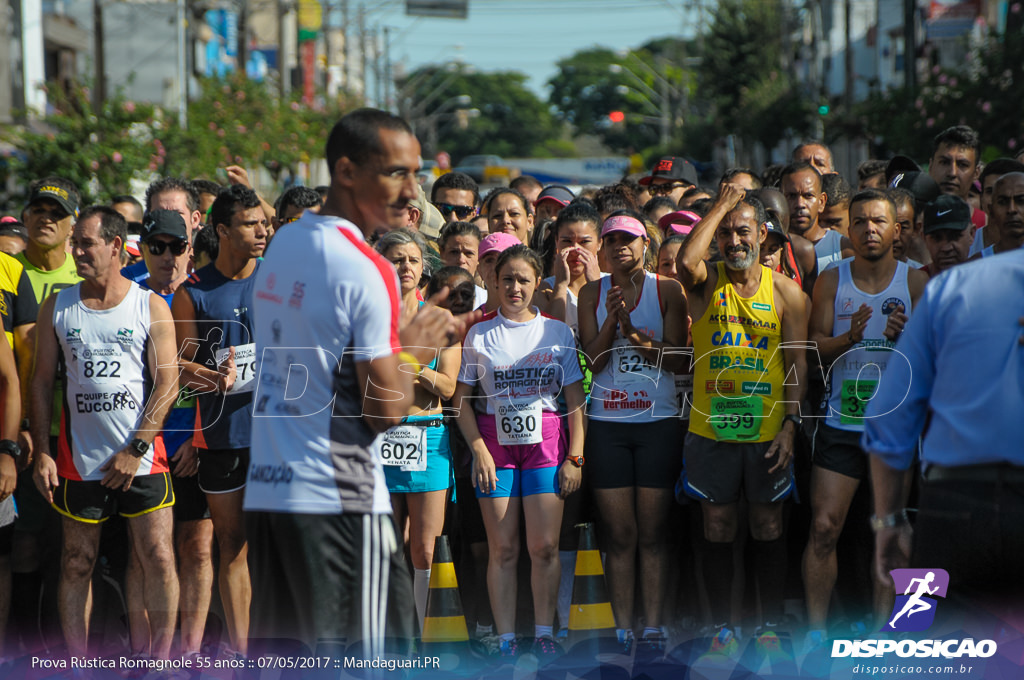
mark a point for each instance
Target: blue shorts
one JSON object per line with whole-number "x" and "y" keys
{"x": 439, "y": 475}
{"x": 515, "y": 483}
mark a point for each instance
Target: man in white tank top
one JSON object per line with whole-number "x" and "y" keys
{"x": 858, "y": 312}
{"x": 113, "y": 344}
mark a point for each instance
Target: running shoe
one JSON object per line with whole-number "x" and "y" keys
{"x": 544, "y": 648}
{"x": 491, "y": 643}
{"x": 508, "y": 648}
{"x": 724, "y": 646}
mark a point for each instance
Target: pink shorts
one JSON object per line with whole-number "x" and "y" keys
{"x": 548, "y": 453}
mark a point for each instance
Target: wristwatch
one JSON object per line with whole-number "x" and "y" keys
{"x": 10, "y": 448}
{"x": 795, "y": 419}
{"x": 576, "y": 460}
{"x": 138, "y": 447}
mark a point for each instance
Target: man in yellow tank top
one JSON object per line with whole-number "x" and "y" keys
{"x": 749, "y": 343}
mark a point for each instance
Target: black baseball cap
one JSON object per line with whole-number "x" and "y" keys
{"x": 672, "y": 168}
{"x": 166, "y": 222}
{"x": 56, "y": 194}
{"x": 10, "y": 226}
{"x": 900, "y": 164}
{"x": 556, "y": 193}
{"x": 920, "y": 184}
{"x": 947, "y": 212}
{"x": 774, "y": 226}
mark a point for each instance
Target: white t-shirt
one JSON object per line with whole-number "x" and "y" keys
{"x": 531, "y": 360}
{"x": 324, "y": 301}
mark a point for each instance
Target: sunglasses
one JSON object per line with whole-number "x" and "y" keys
{"x": 159, "y": 247}
{"x": 461, "y": 211}
{"x": 665, "y": 189}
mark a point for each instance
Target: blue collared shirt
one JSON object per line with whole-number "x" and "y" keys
{"x": 964, "y": 365}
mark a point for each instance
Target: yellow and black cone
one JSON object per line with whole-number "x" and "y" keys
{"x": 444, "y": 622}
{"x": 590, "y": 615}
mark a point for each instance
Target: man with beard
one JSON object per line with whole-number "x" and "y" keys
{"x": 858, "y": 312}
{"x": 749, "y": 334}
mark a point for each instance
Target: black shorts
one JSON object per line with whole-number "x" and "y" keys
{"x": 189, "y": 500}
{"x": 716, "y": 472}
{"x": 621, "y": 454}
{"x": 839, "y": 451}
{"x": 7, "y": 514}
{"x": 327, "y": 577}
{"x": 467, "y": 507}
{"x": 222, "y": 470}
{"x": 91, "y": 502}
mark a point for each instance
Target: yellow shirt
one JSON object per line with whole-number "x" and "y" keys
{"x": 738, "y": 367}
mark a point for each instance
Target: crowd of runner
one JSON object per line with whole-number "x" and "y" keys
{"x": 270, "y": 411}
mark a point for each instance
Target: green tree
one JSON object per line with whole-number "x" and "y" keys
{"x": 238, "y": 121}
{"x": 502, "y": 116}
{"x": 593, "y": 83}
{"x": 986, "y": 92}
{"x": 749, "y": 91}
{"x": 100, "y": 153}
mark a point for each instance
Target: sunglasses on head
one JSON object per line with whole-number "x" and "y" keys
{"x": 159, "y": 247}
{"x": 664, "y": 189}
{"x": 461, "y": 211}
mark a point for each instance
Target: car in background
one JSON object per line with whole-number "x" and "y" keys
{"x": 484, "y": 168}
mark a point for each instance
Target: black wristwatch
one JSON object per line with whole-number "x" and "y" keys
{"x": 10, "y": 448}
{"x": 138, "y": 447}
{"x": 794, "y": 418}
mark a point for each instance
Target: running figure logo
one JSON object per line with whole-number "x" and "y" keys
{"x": 914, "y": 610}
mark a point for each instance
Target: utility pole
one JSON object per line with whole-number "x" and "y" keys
{"x": 910, "y": 45}
{"x": 377, "y": 75}
{"x": 242, "y": 49}
{"x": 282, "y": 71}
{"x": 326, "y": 7}
{"x": 182, "y": 71}
{"x": 100, "y": 87}
{"x": 387, "y": 105}
{"x": 848, "y": 58}
{"x": 362, "y": 50}
{"x": 345, "y": 77}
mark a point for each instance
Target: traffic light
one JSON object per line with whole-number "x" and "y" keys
{"x": 823, "y": 110}
{"x": 616, "y": 116}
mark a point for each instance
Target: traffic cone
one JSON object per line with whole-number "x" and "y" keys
{"x": 444, "y": 621}
{"x": 590, "y": 615}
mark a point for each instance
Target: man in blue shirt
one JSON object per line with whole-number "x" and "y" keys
{"x": 962, "y": 378}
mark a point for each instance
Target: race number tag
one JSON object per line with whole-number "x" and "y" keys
{"x": 245, "y": 367}
{"x": 405, "y": 446}
{"x": 630, "y": 367}
{"x": 855, "y": 397}
{"x": 736, "y": 420}
{"x": 684, "y": 394}
{"x": 518, "y": 422}
{"x": 100, "y": 363}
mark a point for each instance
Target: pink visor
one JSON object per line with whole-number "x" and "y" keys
{"x": 679, "y": 222}
{"x": 498, "y": 241}
{"x": 624, "y": 223}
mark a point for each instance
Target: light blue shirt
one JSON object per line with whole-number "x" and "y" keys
{"x": 964, "y": 364}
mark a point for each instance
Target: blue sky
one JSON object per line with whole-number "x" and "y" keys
{"x": 527, "y": 35}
